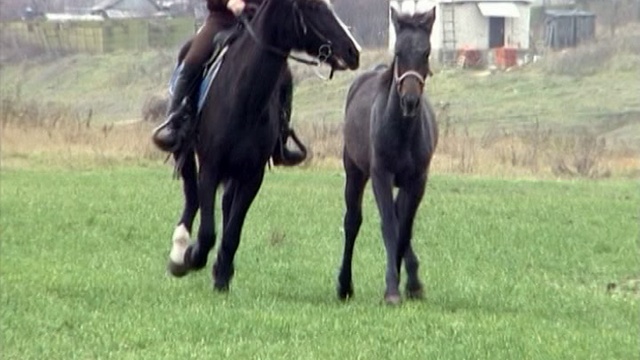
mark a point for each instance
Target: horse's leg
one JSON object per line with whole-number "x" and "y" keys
{"x": 354, "y": 187}
{"x": 407, "y": 203}
{"x": 414, "y": 288}
{"x": 189, "y": 173}
{"x": 227, "y": 200}
{"x": 196, "y": 256}
{"x": 243, "y": 194}
{"x": 181, "y": 237}
{"x": 382, "y": 183}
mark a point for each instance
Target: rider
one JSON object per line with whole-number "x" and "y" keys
{"x": 222, "y": 16}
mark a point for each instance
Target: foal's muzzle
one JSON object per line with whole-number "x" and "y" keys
{"x": 410, "y": 85}
{"x": 409, "y": 104}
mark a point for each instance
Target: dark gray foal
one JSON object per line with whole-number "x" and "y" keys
{"x": 390, "y": 135}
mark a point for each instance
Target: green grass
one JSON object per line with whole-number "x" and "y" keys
{"x": 513, "y": 270}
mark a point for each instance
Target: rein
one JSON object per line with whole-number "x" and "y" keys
{"x": 324, "y": 52}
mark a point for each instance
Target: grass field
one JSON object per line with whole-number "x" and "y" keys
{"x": 517, "y": 263}
{"x": 514, "y": 269}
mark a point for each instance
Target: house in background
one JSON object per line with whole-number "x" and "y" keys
{"x": 568, "y": 28}
{"x": 478, "y": 31}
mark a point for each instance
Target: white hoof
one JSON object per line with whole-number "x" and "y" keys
{"x": 180, "y": 242}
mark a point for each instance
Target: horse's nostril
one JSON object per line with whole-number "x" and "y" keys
{"x": 353, "y": 52}
{"x": 409, "y": 103}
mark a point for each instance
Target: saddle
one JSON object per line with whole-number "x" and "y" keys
{"x": 187, "y": 131}
{"x": 221, "y": 43}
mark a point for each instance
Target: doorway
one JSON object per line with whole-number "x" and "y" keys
{"x": 496, "y": 32}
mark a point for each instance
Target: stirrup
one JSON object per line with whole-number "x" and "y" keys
{"x": 285, "y": 157}
{"x": 176, "y": 125}
{"x": 161, "y": 142}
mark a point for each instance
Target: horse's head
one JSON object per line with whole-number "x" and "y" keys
{"x": 411, "y": 56}
{"x": 318, "y": 31}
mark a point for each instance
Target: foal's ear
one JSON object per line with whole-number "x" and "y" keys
{"x": 427, "y": 19}
{"x": 394, "y": 18}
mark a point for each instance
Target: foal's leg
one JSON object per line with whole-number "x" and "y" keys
{"x": 414, "y": 288}
{"x": 382, "y": 182}
{"x": 181, "y": 237}
{"x": 353, "y": 190}
{"x": 407, "y": 203}
{"x": 243, "y": 194}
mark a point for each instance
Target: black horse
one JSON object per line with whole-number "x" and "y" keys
{"x": 390, "y": 135}
{"x": 239, "y": 124}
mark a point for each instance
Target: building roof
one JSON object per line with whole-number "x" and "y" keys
{"x": 485, "y": 1}
{"x": 111, "y": 4}
{"x": 567, "y": 12}
{"x": 72, "y": 17}
{"x": 126, "y": 8}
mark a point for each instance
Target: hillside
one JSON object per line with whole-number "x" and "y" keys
{"x": 115, "y": 86}
{"x": 587, "y": 95}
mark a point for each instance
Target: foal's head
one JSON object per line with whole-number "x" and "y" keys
{"x": 318, "y": 31}
{"x": 411, "y": 56}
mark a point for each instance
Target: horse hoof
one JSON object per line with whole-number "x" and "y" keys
{"x": 415, "y": 292}
{"x": 221, "y": 278}
{"x": 180, "y": 252}
{"x": 345, "y": 292}
{"x": 177, "y": 270}
{"x": 194, "y": 257}
{"x": 221, "y": 287}
{"x": 392, "y": 299}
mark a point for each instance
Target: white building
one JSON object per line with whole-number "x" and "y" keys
{"x": 472, "y": 24}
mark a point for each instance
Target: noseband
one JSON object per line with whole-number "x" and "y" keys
{"x": 409, "y": 73}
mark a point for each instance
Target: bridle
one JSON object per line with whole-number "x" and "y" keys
{"x": 409, "y": 73}
{"x": 300, "y": 25}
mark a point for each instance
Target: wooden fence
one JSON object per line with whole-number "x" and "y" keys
{"x": 98, "y": 36}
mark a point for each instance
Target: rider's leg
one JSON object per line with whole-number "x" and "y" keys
{"x": 195, "y": 53}
{"x": 281, "y": 154}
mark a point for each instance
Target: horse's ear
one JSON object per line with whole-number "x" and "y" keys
{"x": 427, "y": 19}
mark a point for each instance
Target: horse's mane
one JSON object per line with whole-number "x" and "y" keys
{"x": 410, "y": 21}
{"x": 313, "y": 4}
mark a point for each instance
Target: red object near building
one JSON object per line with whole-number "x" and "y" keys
{"x": 506, "y": 57}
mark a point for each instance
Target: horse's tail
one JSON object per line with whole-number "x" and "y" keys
{"x": 188, "y": 136}
{"x": 186, "y": 167}
{"x": 185, "y": 164}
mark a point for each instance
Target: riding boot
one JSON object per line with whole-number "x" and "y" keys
{"x": 167, "y": 135}
{"x": 281, "y": 154}
{"x": 284, "y": 156}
